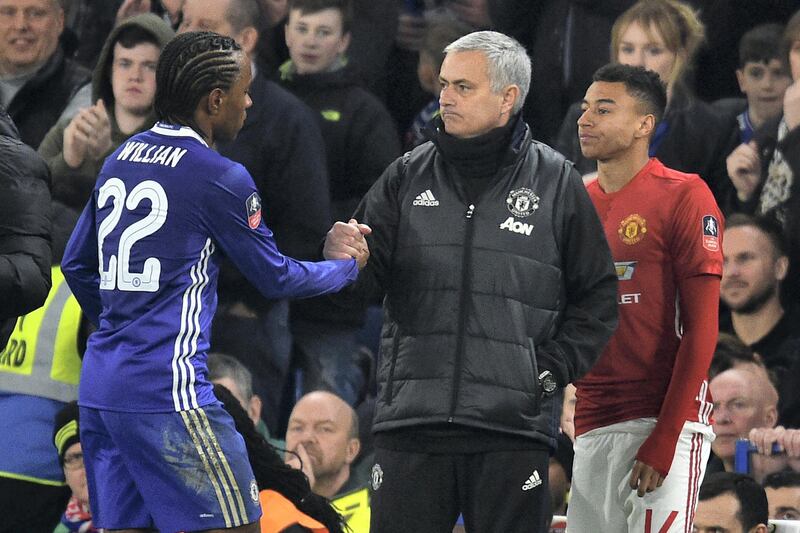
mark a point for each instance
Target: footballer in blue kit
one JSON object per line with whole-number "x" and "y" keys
{"x": 143, "y": 262}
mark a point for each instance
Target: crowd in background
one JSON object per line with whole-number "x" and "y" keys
{"x": 338, "y": 94}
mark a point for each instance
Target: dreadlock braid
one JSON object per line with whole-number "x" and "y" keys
{"x": 272, "y": 473}
{"x": 192, "y": 65}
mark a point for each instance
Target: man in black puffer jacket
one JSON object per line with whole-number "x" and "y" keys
{"x": 499, "y": 290}
{"x": 24, "y": 228}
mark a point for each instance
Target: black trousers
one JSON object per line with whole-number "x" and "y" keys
{"x": 500, "y": 491}
{"x": 30, "y": 507}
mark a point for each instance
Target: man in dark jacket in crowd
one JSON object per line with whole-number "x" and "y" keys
{"x": 500, "y": 290}
{"x": 37, "y": 81}
{"x": 280, "y": 145}
{"x": 360, "y": 141}
{"x": 24, "y": 228}
{"x": 123, "y": 89}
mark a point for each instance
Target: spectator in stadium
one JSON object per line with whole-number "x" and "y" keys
{"x": 326, "y": 427}
{"x": 663, "y": 36}
{"x": 37, "y": 81}
{"x": 281, "y": 146}
{"x": 744, "y": 399}
{"x": 783, "y": 495}
{"x": 360, "y": 141}
{"x": 730, "y": 352}
{"x": 441, "y": 30}
{"x": 66, "y": 436}
{"x": 289, "y": 504}
{"x": 733, "y": 503}
{"x": 228, "y": 371}
{"x": 320, "y": 72}
{"x": 360, "y": 136}
{"x": 322, "y": 439}
{"x": 123, "y": 88}
{"x": 756, "y": 264}
{"x": 568, "y": 41}
{"x": 764, "y": 171}
{"x": 763, "y": 77}
{"x": 47, "y": 345}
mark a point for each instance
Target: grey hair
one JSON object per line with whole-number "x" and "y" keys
{"x": 508, "y": 61}
{"x": 222, "y": 366}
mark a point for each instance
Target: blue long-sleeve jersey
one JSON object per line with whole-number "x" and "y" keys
{"x": 143, "y": 263}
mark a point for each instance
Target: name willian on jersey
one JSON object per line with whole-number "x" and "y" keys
{"x": 155, "y": 154}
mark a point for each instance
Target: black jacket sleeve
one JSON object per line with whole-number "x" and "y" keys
{"x": 24, "y": 229}
{"x": 590, "y": 314}
{"x": 380, "y": 210}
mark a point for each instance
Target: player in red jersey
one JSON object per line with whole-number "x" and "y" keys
{"x": 642, "y": 415}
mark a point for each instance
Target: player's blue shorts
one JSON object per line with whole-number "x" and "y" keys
{"x": 178, "y": 471}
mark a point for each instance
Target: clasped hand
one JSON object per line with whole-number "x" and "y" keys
{"x": 346, "y": 240}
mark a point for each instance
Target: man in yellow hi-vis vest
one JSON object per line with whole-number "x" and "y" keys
{"x": 39, "y": 371}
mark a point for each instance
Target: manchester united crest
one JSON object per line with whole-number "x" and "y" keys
{"x": 632, "y": 229}
{"x": 377, "y": 476}
{"x": 522, "y": 202}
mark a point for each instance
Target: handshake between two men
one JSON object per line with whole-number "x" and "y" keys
{"x": 346, "y": 240}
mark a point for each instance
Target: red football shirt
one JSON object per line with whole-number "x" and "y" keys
{"x": 663, "y": 226}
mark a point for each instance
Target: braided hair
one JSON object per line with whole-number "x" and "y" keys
{"x": 272, "y": 473}
{"x": 191, "y": 66}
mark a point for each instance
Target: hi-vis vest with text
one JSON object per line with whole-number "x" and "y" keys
{"x": 354, "y": 507}
{"x": 41, "y": 357}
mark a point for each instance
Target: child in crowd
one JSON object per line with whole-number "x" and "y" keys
{"x": 763, "y": 78}
{"x": 442, "y": 30}
{"x": 360, "y": 137}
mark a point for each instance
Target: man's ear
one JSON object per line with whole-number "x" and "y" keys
{"x": 781, "y": 268}
{"x": 214, "y": 102}
{"x": 510, "y": 96}
{"x": 344, "y": 44}
{"x": 647, "y": 126}
{"x": 740, "y": 79}
{"x": 353, "y": 447}
{"x": 772, "y": 416}
{"x": 247, "y": 39}
{"x": 254, "y": 407}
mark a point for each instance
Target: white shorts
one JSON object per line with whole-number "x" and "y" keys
{"x": 601, "y": 498}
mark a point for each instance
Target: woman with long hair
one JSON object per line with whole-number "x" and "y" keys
{"x": 664, "y": 36}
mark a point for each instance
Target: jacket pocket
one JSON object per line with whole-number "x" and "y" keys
{"x": 390, "y": 380}
{"x": 537, "y": 393}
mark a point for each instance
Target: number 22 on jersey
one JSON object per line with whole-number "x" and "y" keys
{"x": 118, "y": 274}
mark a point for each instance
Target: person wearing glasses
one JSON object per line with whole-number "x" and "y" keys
{"x": 66, "y": 436}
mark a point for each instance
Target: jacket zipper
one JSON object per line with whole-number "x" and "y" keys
{"x": 535, "y": 363}
{"x": 466, "y": 275}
